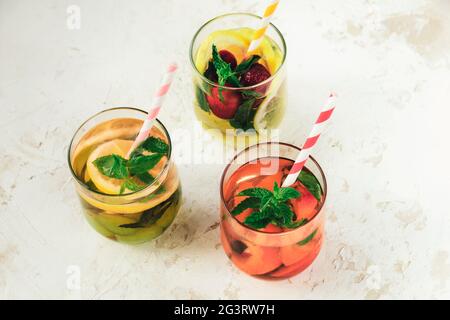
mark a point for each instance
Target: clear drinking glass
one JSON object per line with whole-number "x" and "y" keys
{"x": 270, "y": 254}
{"x": 232, "y": 109}
{"x": 134, "y": 217}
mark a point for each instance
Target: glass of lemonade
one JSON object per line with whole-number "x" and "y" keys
{"x": 235, "y": 90}
{"x": 267, "y": 246}
{"x": 127, "y": 199}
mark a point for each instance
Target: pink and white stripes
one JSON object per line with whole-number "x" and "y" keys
{"x": 157, "y": 102}
{"x": 311, "y": 141}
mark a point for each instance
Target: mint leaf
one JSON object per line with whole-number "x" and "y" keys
{"x": 283, "y": 214}
{"x": 201, "y": 100}
{"x": 246, "y": 204}
{"x": 113, "y": 166}
{"x": 257, "y": 220}
{"x": 243, "y": 118}
{"x": 145, "y": 177}
{"x": 140, "y": 163}
{"x": 130, "y": 185}
{"x": 269, "y": 207}
{"x": 311, "y": 183}
{"x": 256, "y": 192}
{"x": 152, "y": 215}
{"x": 251, "y": 94}
{"x": 155, "y": 145}
{"x": 245, "y": 65}
{"x": 307, "y": 239}
{"x": 287, "y": 193}
{"x": 224, "y": 72}
{"x": 151, "y": 144}
{"x": 284, "y": 194}
{"x": 296, "y": 224}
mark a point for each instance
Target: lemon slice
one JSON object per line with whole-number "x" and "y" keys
{"x": 211, "y": 121}
{"x": 271, "y": 110}
{"x": 103, "y": 183}
{"x": 170, "y": 185}
{"x": 234, "y": 40}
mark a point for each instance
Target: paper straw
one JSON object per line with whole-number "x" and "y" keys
{"x": 311, "y": 141}
{"x": 259, "y": 33}
{"x": 157, "y": 102}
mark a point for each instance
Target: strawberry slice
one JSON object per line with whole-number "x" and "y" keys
{"x": 228, "y": 57}
{"x": 226, "y": 108}
{"x": 210, "y": 72}
{"x": 256, "y": 74}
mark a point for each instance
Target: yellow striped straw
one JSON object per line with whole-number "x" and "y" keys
{"x": 259, "y": 33}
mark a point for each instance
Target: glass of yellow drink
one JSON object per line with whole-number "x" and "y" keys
{"x": 235, "y": 90}
{"x": 129, "y": 200}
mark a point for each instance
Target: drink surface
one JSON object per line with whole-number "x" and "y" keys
{"x": 118, "y": 214}
{"x": 272, "y": 252}
{"x": 261, "y": 106}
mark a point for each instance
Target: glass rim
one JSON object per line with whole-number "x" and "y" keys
{"x": 222, "y": 179}
{"x": 166, "y": 166}
{"x": 212, "y": 83}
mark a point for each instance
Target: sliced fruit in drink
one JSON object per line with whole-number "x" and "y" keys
{"x": 171, "y": 183}
{"x": 113, "y": 223}
{"x": 170, "y": 213}
{"x": 141, "y": 235}
{"x": 298, "y": 251}
{"x": 229, "y": 58}
{"x": 268, "y": 114}
{"x": 103, "y": 183}
{"x": 256, "y": 260}
{"x": 305, "y": 206}
{"x": 224, "y": 104}
{"x": 90, "y": 217}
{"x": 255, "y": 75}
{"x": 231, "y": 40}
{"x": 210, "y": 120}
{"x": 293, "y": 269}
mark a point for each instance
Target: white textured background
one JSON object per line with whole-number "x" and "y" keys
{"x": 386, "y": 154}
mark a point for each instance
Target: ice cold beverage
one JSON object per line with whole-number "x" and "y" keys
{"x": 255, "y": 97}
{"x": 124, "y": 216}
{"x": 271, "y": 252}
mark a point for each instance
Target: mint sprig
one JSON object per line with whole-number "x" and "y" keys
{"x": 268, "y": 207}
{"x": 135, "y": 169}
{"x": 225, "y": 73}
{"x": 223, "y": 69}
{"x": 141, "y": 163}
{"x": 113, "y": 166}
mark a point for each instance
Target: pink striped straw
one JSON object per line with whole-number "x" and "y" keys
{"x": 311, "y": 141}
{"x": 157, "y": 102}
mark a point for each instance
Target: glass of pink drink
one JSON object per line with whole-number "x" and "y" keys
{"x": 272, "y": 252}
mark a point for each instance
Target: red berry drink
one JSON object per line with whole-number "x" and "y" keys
{"x": 235, "y": 89}
{"x": 268, "y": 231}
